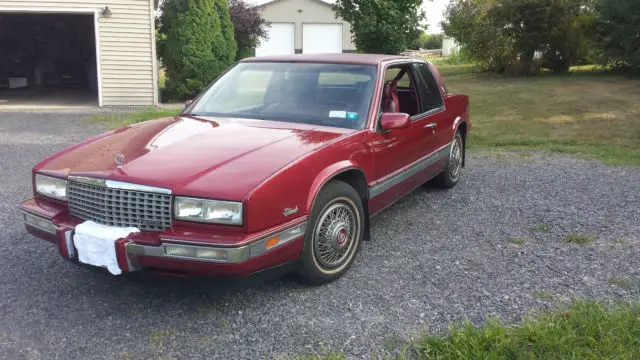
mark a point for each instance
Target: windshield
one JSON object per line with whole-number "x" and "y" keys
{"x": 317, "y": 94}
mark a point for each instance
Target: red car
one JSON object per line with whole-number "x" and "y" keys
{"x": 281, "y": 160}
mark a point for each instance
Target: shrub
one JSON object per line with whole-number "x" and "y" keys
{"x": 617, "y": 28}
{"x": 195, "y": 45}
{"x": 505, "y": 35}
{"x": 248, "y": 25}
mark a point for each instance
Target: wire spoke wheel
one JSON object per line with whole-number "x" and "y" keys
{"x": 334, "y": 235}
{"x": 455, "y": 158}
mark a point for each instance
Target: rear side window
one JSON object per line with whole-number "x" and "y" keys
{"x": 430, "y": 93}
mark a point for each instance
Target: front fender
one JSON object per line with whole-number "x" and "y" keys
{"x": 290, "y": 192}
{"x": 326, "y": 175}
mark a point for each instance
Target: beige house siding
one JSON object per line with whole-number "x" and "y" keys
{"x": 127, "y": 73}
{"x": 306, "y": 11}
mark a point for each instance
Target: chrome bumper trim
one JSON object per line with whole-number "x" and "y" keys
{"x": 68, "y": 239}
{"x": 233, "y": 255}
{"x": 35, "y": 226}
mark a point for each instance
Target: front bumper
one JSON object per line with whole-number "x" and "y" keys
{"x": 182, "y": 252}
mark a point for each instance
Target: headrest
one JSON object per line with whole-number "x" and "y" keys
{"x": 389, "y": 89}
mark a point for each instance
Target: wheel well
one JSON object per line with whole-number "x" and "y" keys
{"x": 462, "y": 127}
{"x": 356, "y": 179}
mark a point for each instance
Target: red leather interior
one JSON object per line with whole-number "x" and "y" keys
{"x": 390, "y": 102}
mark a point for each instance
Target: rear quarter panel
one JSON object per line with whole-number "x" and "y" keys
{"x": 458, "y": 108}
{"x": 457, "y": 105}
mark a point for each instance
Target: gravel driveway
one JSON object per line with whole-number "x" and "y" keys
{"x": 436, "y": 257}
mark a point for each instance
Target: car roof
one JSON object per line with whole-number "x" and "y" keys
{"x": 339, "y": 58}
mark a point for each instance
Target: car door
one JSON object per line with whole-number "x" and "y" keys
{"x": 398, "y": 152}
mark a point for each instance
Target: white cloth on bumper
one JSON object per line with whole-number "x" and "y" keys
{"x": 96, "y": 244}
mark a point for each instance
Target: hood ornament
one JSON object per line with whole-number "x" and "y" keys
{"x": 119, "y": 160}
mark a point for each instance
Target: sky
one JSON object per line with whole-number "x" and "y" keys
{"x": 433, "y": 9}
{"x": 434, "y": 12}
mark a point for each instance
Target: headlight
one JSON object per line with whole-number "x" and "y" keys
{"x": 51, "y": 187}
{"x": 210, "y": 211}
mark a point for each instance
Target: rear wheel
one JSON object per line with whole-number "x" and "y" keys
{"x": 450, "y": 176}
{"x": 334, "y": 234}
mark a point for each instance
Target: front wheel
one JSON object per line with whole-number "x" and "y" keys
{"x": 450, "y": 176}
{"x": 334, "y": 234}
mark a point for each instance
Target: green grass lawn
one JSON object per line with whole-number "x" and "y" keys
{"x": 587, "y": 113}
{"x": 119, "y": 120}
{"x": 587, "y": 330}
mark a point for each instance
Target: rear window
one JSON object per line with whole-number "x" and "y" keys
{"x": 320, "y": 94}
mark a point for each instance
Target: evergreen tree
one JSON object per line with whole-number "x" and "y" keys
{"x": 194, "y": 45}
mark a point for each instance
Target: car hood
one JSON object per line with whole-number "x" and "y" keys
{"x": 208, "y": 157}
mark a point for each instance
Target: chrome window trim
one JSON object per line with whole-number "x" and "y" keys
{"x": 412, "y": 169}
{"x": 423, "y": 115}
{"x": 112, "y": 184}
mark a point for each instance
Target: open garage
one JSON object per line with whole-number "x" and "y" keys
{"x": 48, "y": 59}
{"x": 81, "y": 53}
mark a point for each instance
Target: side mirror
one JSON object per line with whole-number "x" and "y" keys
{"x": 391, "y": 121}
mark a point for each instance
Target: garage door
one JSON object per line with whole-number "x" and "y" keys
{"x": 321, "y": 38}
{"x": 280, "y": 41}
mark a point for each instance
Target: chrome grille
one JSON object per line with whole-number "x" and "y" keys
{"x": 119, "y": 207}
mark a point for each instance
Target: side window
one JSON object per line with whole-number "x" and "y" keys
{"x": 399, "y": 93}
{"x": 429, "y": 91}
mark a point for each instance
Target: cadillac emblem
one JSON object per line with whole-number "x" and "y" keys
{"x": 119, "y": 160}
{"x": 289, "y": 211}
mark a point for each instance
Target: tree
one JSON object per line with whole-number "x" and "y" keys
{"x": 431, "y": 41}
{"x": 195, "y": 45}
{"x": 506, "y": 35}
{"x": 248, "y": 25}
{"x": 382, "y": 26}
{"x": 525, "y": 23}
{"x": 618, "y": 32}
{"x": 570, "y": 38}
{"x": 226, "y": 54}
{"x": 427, "y": 41}
{"x": 480, "y": 39}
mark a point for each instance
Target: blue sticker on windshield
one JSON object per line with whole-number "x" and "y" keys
{"x": 352, "y": 115}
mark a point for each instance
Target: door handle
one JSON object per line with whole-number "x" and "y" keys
{"x": 430, "y": 126}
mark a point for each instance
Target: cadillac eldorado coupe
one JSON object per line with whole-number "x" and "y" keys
{"x": 280, "y": 161}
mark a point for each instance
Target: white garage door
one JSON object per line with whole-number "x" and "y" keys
{"x": 321, "y": 38}
{"x": 280, "y": 41}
